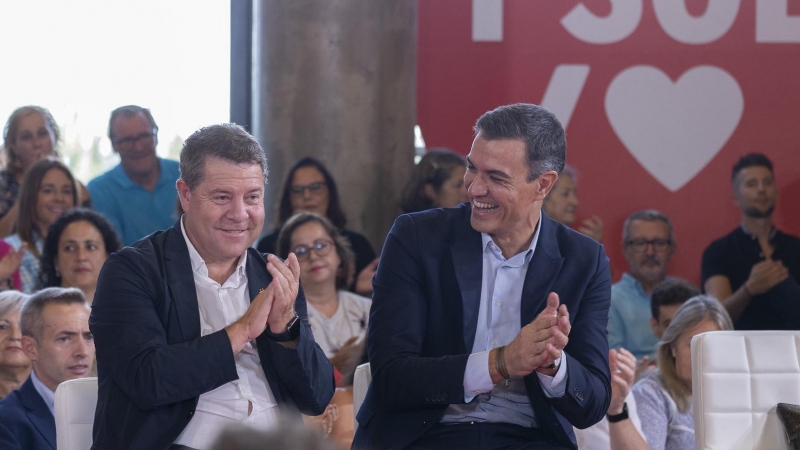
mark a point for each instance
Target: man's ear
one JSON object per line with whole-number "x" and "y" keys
{"x": 546, "y": 182}
{"x": 184, "y": 194}
{"x": 30, "y": 347}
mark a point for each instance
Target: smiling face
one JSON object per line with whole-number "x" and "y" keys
{"x": 65, "y": 350}
{"x": 56, "y": 195}
{"x": 34, "y": 140}
{"x": 135, "y": 141}
{"x": 316, "y": 269}
{"x": 309, "y": 192}
{"x": 224, "y": 213}
{"x": 562, "y": 203}
{"x": 755, "y": 191}
{"x": 11, "y": 354}
{"x": 81, "y": 254}
{"x": 504, "y": 203}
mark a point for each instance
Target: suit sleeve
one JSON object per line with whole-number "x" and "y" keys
{"x": 8, "y": 441}
{"x": 588, "y": 391}
{"x": 401, "y": 377}
{"x": 132, "y": 346}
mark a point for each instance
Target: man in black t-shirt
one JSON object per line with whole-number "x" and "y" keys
{"x": 755, "y": 270}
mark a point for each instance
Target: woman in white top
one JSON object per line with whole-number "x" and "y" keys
{"x": 338, "y": 318}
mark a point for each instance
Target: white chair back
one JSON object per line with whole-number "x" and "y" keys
{"x": 75, "y": 403}
{"x": 738, "y": 378}
{"x": 361, "y": 381}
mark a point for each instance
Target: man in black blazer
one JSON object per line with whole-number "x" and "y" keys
{"x": 56, "y": 337}
{"x": 197, "y": 331}
{"x": 488, "y": 321}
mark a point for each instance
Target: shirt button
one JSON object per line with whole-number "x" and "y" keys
{"x": 494, "y": 342}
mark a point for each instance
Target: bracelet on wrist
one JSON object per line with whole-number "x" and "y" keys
{"x": 614, "y": 418}
{"x": 500, "y": 362}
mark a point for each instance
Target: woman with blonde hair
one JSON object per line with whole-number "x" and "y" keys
{"x": 14, "y": 365}
{"x": 30, "y": 135}
{"x": 664, "y": 397}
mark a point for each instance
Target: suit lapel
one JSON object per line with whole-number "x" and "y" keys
{"x": 180, "y": 282}
{"x": 542, "y": 271}
{"x": 38, "y": 413}
{"x": 465, "y": 249}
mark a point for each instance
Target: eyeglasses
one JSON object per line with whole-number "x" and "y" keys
{"x": 129, "y": 142}
{"x": 313, "y": 189}
{"x": 640, "y": 245}
{"x": 321, "y": 248}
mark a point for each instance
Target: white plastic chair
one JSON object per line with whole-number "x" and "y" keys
{"x": 361, "y": 381}
{"x": 75, "y": 403}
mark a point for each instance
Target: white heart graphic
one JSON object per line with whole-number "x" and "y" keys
{"x": 674, "y": 129}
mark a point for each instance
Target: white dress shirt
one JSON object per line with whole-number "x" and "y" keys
{"x": 220, "y": 306}
{"x": 498, "y": 324}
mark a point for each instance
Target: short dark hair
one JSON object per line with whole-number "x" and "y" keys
{"x": 48, "y": 276}
{"x": 29, "y": 196}
{"x": 750, "y": 160}
{"x": 434, "y": 168}
{"x": 129, "y": 111}
{"x": 344, "y": 277}
{"x": 226, "y": 141}
{"x": 671, "y": 291}
{"x": 31, "y": 317}
{"x": 541, "y": 131}
{"x": 334, "y": 212}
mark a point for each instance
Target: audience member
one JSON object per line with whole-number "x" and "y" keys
{"x": 48, "y": 189}
{"x": 562, "y": 204}
{"x": 15, "y": 366}
{"x": 56, "y": 337}
{"x": 197, "y": 354}
{"x": 338, "y": 318}
{"x": 77, "y": 245}
{"x": 437, "y": 182}
{"x": 755, "y": 270}
{"x": 138, "y": 195}
{"x": 664, "y": 397}
{"x": 665, "y": 301}
{"x": 452, "y": 364}
{"x": 649, "y": 243}
{"x": 30, "y": 134}
{"x": 310, "y": 187}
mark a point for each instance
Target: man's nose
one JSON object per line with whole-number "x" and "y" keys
{"x": 476, "y": 188}
{"x": 238, "y": 210}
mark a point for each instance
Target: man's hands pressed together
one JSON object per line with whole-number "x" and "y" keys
{"x": 273, "y": 306}
{"x": 538, "y": 344}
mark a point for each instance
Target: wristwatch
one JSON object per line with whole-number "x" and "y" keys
{"x": 291, "y": 332}
{"x": 619, "y": 417}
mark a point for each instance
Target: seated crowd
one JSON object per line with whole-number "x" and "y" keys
{"x": 58, "y": 235}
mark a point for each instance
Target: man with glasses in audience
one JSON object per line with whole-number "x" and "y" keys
{"x": 138, "y": 196}
{"x": 648, "y": 242}
{"x": 755, "y": 270}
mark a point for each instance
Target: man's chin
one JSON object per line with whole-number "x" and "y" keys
{"x": 755, "y": 213}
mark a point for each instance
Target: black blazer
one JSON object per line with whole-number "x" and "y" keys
{"x": 26, "y": 422}
{"x": 424, "y": 315}
{"x": 152, "y": 363}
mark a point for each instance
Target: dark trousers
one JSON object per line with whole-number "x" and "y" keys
{"x": 483, "y": 436}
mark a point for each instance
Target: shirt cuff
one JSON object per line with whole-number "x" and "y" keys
{"x": 476, "y": 376}
{"x": 555, "y": 386}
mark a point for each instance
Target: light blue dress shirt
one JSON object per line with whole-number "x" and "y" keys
{"x": 498, "y": 325}
{"x": 629, "y": 318}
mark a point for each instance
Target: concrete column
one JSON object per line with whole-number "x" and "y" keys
{"x": 336, "y": 80}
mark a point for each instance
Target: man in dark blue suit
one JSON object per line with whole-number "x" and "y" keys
{"x": 488, "y": 321}
{"x": 196, "y": 331}
{"x": 56, "y": 337}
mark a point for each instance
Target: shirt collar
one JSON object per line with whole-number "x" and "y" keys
{"x": 199, "y": 265}
{"x": 772, "y": 232}
{"x": 489, "y": 246}
{"x": 47, "y": 395}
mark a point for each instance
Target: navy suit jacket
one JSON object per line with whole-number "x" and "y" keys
{"x": 424, "y": 315}
{"x": 26, "y": 422}
{"x": 152, "y": 362}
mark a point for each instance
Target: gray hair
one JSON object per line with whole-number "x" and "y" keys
{"x": 647, "y": 215}
{"x": 129, "y": 111}
{"x": 11, "y": 301}
{"x": 689, "y": 315}
{"x": 31, "y": 318}
{"x": 545, "y": 142}
{"x": 226, "y": 141}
